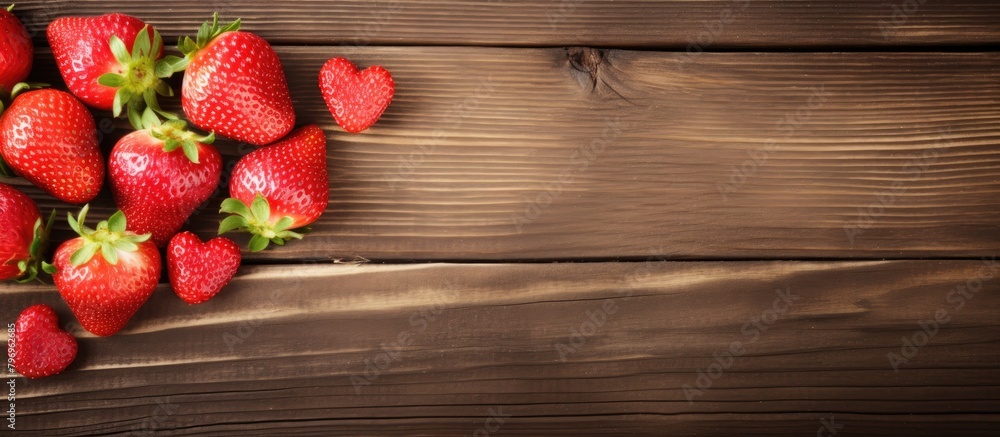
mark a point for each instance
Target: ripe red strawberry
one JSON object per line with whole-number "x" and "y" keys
{"x": 112, "y": 61}
{"x": 50, "y": 138}
{"x": 197, "y": 270}
{"x": 106, "y": 273}
{"x": 235, "y": 86}
{"x": 38, "y": 347}
{"x": 356, "y": 98}
{"x": 160, "y": 175}
{"x": 16, "y": 51}
{"x": 279, "y": 188}
{"x": 22, "y": 235}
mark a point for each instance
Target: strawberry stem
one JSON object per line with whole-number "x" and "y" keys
{"x": 256, "y": 219}
{"x": 206, "y": 34}
{"x": 174, "y": 134}
{"x": 110, "y": 238}
{"x": 31, "y": 266}
{"x": 142, "y": 77}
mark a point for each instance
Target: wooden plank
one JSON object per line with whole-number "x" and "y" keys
{"x": 432, "y": 349}
{"x": 518, "y": 154}
{"x": 678, "y": 25}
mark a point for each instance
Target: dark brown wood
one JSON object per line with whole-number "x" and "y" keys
{"x": 570, "y": 154}
{"x": 277, "y": 350}
{"x": 512, "y": 138}
{"x": 677, "y": 25}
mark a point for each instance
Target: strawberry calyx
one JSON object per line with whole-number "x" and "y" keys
{"x": 30, "y": 266}
{"x": 256, "y": 219}
{"x": 208, "y": 31}
{"x": 141, "y": 79}
{"x": 110, "y": 237}
{"x": 174, "y": 134}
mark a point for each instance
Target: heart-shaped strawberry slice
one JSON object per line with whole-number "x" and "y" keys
{"x": 356, "y": 98}
{"x": 38, "y": 347}
{"x": 199, "y": 270}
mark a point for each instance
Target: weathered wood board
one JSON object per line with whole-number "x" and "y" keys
{"x": 575, "y": 348}
{"x": 751, "y": 164}
{"x": 515, "y": 154}
{"x": 701, "y": 25}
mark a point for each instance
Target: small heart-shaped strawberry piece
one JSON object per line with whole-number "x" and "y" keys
{"x": 199, "y": 270}
{"x": 356, "y": 98}
{"x": 38, "y": 347}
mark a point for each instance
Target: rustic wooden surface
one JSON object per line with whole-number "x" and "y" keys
{"x": 516, "y": 174}
{"x": 278, "y": 350}
{"x": 606, "y": 23}
{"x": 885, "y": 147}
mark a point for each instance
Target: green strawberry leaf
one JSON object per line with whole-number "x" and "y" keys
{"x": 141, "y": 46}
{"x": 232, "y": 223}
{"x": 149, "y": 119}
{"x": 235, "y": 206}
{"x": 84, "y": 254}
{"x": 119, "y": 50}
{"x": 283, "y": 224}
{"x": 261, "y": 210}
{"x": 171, "y": 64}
{"x": 109, "y": 252}
{"x": 111, "y": 79}
{"x": 289, "y": 235}
{"x": 190, "y": 150}
{"x": 258, "y": 243}
{"x": 139, "y": 238}
{"x": 163, "y": 89}
{"x": 117, "y": 222}
{"x": 126, "y": 245}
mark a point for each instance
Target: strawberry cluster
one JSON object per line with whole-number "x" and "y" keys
{"x": 233, "y": 86}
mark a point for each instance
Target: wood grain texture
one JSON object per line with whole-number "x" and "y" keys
{"x": 675, "y": 25}
{"x": 526, "y": 154}
{"x": 276, "y": 352}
